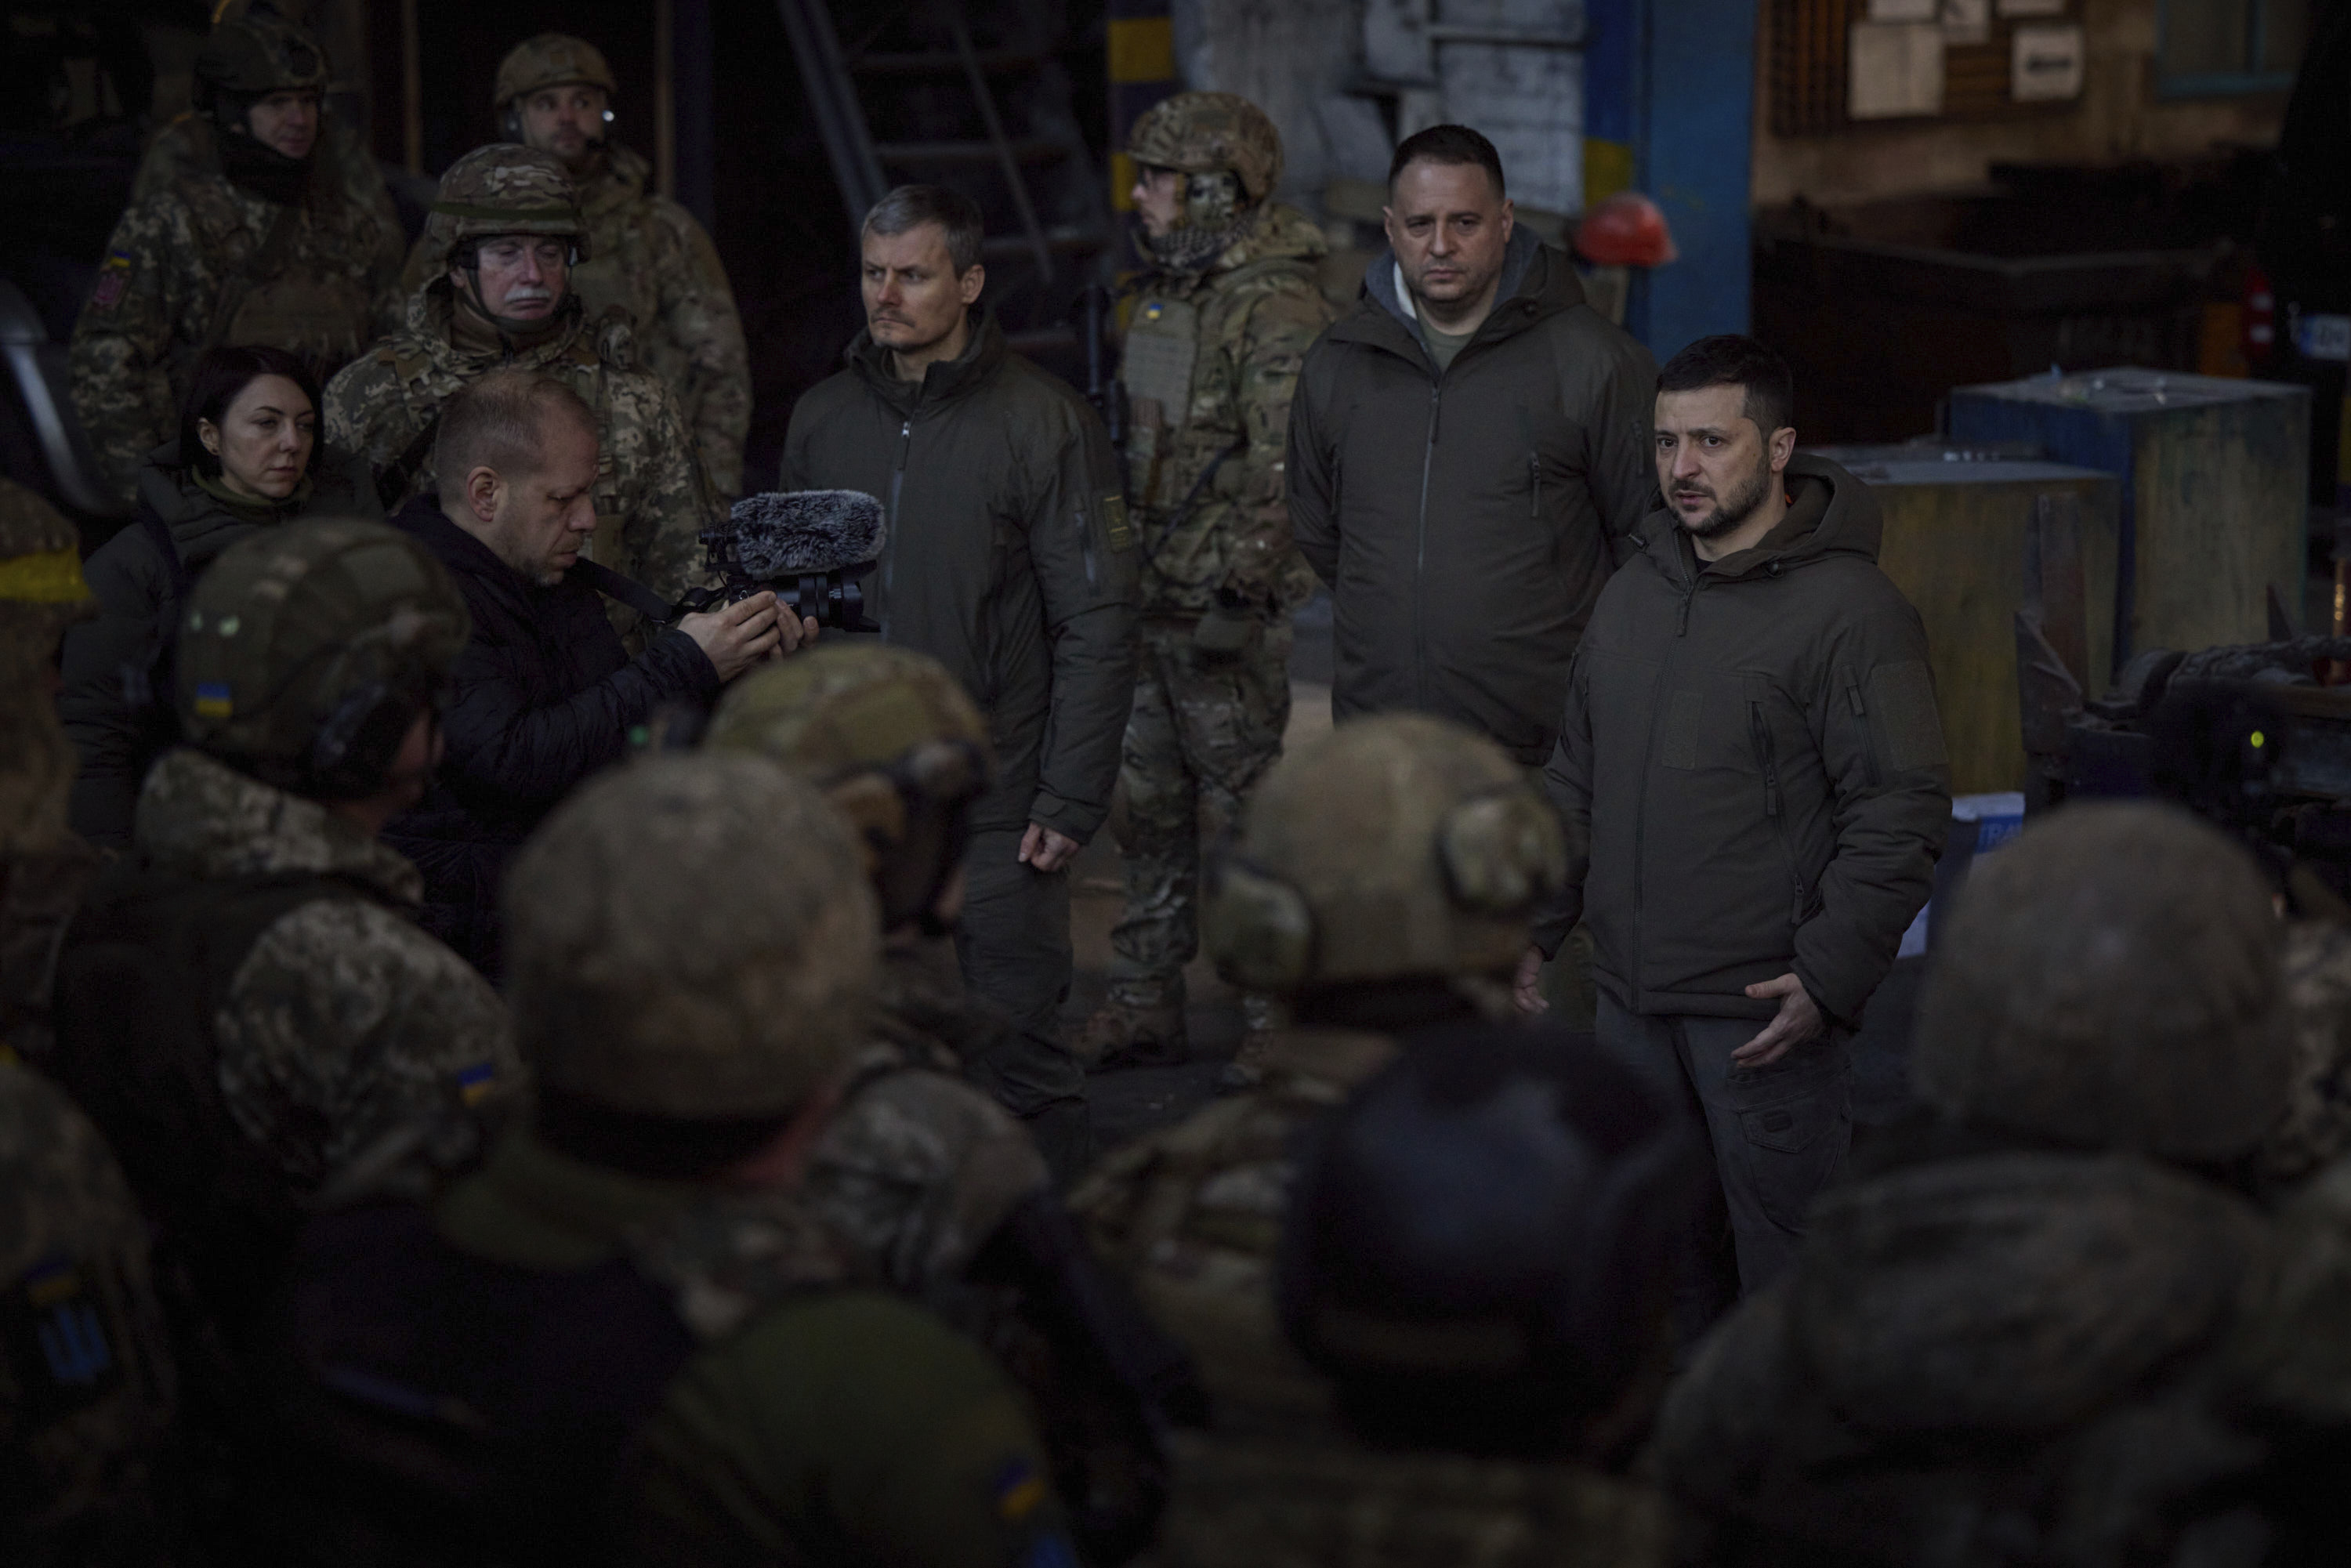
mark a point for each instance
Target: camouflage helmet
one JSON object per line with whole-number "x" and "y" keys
{"x": 307, "y": 650}
{"x": 2111, "y": 979}
{"x": 258, "y": 52}
{"x": 504, "y": 188}
{"x": 1395, "y": 846}
{"x": 890, "y": 738}
{"x": 1208, "y": 133}
{"x": 691, "y": 937}
{"x": 549, "y": 59}
{"x": 41, "y": 593}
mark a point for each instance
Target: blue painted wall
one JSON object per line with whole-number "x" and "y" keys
{"x": 1669, "y": 93}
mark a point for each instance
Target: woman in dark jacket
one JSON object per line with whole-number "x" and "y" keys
{"x": 246, "y": 457}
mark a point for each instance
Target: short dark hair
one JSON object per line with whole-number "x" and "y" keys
{"x": 222, "y": 373}
{"x": 500, "y": 421}
{"x": 1447, "y": 145}
{"x": 912, "y": 206}
{"x": 1731, "y": 360}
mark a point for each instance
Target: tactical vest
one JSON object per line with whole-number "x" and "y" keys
{"x": 279, "y": 299}
{"x": 144, "y": 970}
{"x": 451, "y": 1409}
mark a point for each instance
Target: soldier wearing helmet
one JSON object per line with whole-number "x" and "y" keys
{"x": 926, "y": 1178}
{"x": 502, "y": 241}
{"x": 1478, "y": 1258}
{"x": 1382, "y": 876}
{"x": 644, "y": 252}
{"x": 1217, "y": 330}
{"x": 242, "y": 234}
{"x": 245, "y": 1003}
{"x": 628, "y": 1336}
{"x": 90, "y": 1420}
{"x": 2008, "y": 1330}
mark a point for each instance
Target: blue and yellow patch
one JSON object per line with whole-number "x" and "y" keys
{"x": 113, "y": 281}
{"x": 1019, "y": 1489}
{"x": 1153, "y": 311}
{"x": 213, "y": 700}
{"x": 475, "y": 1082}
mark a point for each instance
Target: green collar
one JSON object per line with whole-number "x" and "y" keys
{"x": 262, "y": 513}
{"x": 535, "y": 1207}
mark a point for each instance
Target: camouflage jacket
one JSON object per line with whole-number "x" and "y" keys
{"x": 651, "y": 502}
{"x": 200, "y": 261}
{"x": 918, "y": 1167}
{"x": 183, "y": 143}
{"x": 38, "y": 895}
{"x": 87, "y": 1399}
{"x": 2316, "y": 1126}
{"x": 1210, "y": 361}
{"x": 345, "y": 1020}
{"x": 647, "y": 255}
{"x": 1338, "y": 1504}
{"x": 1191, "y": 1218}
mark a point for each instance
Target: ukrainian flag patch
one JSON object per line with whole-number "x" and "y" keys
{"x": 475, "y": 1083}
{"x": 1019, "y": 1489}
{"x": 213, "y": 700}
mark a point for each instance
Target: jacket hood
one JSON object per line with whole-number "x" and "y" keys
{"x": 1537, "y": 284}
{"x": 1952, "y": 1295}
{"x": 942, "y": 380}
{"x": 618, "y": 178}
{"x": 201, "y": 817}
{"x": 1830, "y": 512}
{"x": 194, "y": 514}
{"x": 431, "y": 328}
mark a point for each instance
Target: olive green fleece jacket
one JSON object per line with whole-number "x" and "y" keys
{"x": 1750, "y": 765}
{"x": 1466, "y": 517}
{"x": 1009, "y": 558}
{"x": 842, "y": 1427}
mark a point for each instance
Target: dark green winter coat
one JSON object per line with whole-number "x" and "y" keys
{"x": 1010, "y": 557}
{"x": 1465, "y": 519}
{"x": 1750, "y": 765}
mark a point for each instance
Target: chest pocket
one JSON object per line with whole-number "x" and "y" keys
{"x": 1162, "y": 345}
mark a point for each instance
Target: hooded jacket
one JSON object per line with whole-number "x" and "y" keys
{"x": 543, "y": 695}
{"x": 1010, "y": 557}
{"x": 136, "y": 590}
{"x": 1751, "y": 766}
{"x": 1465, "y": 519}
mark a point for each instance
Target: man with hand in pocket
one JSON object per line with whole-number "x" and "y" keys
{"x": 1751, "y": 771}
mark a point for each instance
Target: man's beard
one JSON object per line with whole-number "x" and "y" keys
{"x": 1728, "y": 515}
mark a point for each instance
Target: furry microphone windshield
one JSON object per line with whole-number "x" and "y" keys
{"x": 791, "y": 533}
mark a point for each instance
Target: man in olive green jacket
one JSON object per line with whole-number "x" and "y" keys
{"x": 1751, "y": 771}
{"x": 1011, "y": 562}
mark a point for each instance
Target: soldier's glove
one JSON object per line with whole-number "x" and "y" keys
{"x": 1228, "y": 631}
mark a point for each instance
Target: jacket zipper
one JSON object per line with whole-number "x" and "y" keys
{"x": 1648, "y": 772}
{"x": 1534, "y": 486}
{"x": 1767, "y": 756}
{"x": 1861, "y": 712}
{"x": 897, "y": 484}
{"x": 1420, "y": 552}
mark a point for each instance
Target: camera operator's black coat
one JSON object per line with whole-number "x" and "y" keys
{"x": 543, "y": 696}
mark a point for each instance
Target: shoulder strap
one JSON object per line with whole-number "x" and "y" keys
{"x": 627, "y": 590}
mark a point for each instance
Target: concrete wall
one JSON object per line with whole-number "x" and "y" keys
{"x": 1291, "y": 58}
{"x": 2118, "y": 120}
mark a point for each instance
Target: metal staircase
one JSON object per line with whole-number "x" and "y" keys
{"x": 912, "y": 94}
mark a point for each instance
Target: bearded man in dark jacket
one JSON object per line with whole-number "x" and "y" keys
{"x": 1011, "y": 562}
{"x": 1468, "y": 453}
{"x": 1752, "y": 774}
{"x": 544, "y": 693}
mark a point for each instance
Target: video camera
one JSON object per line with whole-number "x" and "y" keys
{"x": 811, "y": 548}
{"x": 2245, "y": 736}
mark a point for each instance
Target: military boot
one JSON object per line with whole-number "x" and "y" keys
{"x": 1140, "y": 1024}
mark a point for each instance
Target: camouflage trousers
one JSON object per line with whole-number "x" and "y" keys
{"x": 1202, "y": 732}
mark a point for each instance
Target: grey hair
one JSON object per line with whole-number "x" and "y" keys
{"x": 911, "y": 206}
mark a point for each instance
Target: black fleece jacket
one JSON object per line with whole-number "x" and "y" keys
{"x": 543, "y": 696}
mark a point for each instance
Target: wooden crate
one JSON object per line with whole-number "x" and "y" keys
{"x": 1960, "y": 543}
{"x": 2212, "y": 475}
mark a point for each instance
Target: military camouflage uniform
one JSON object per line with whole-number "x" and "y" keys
{"x": 345, "y": 1019}
{"x": 1210, "y": 361}
{"x": 175, "y": 281}
{"x": 2317, "y": 1127}
{"x": 88, "y": 1396}
{"x": 183, "y": 147}
{"x": 918, "y": 1168}
{"x": 651, "y": 504}
{"x": 647, "y": 255}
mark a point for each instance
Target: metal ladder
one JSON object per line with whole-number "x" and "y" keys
{"x": 840, "y": 84}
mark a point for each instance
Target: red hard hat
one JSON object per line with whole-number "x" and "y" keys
{"x": 1625, "y": 230}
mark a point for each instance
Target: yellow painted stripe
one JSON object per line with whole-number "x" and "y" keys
{"x": 1607, "y": 169}
{"x": 52, "y": 577}
{"x": 1143, "y": 48}
{"x": 1121, "y": 186}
